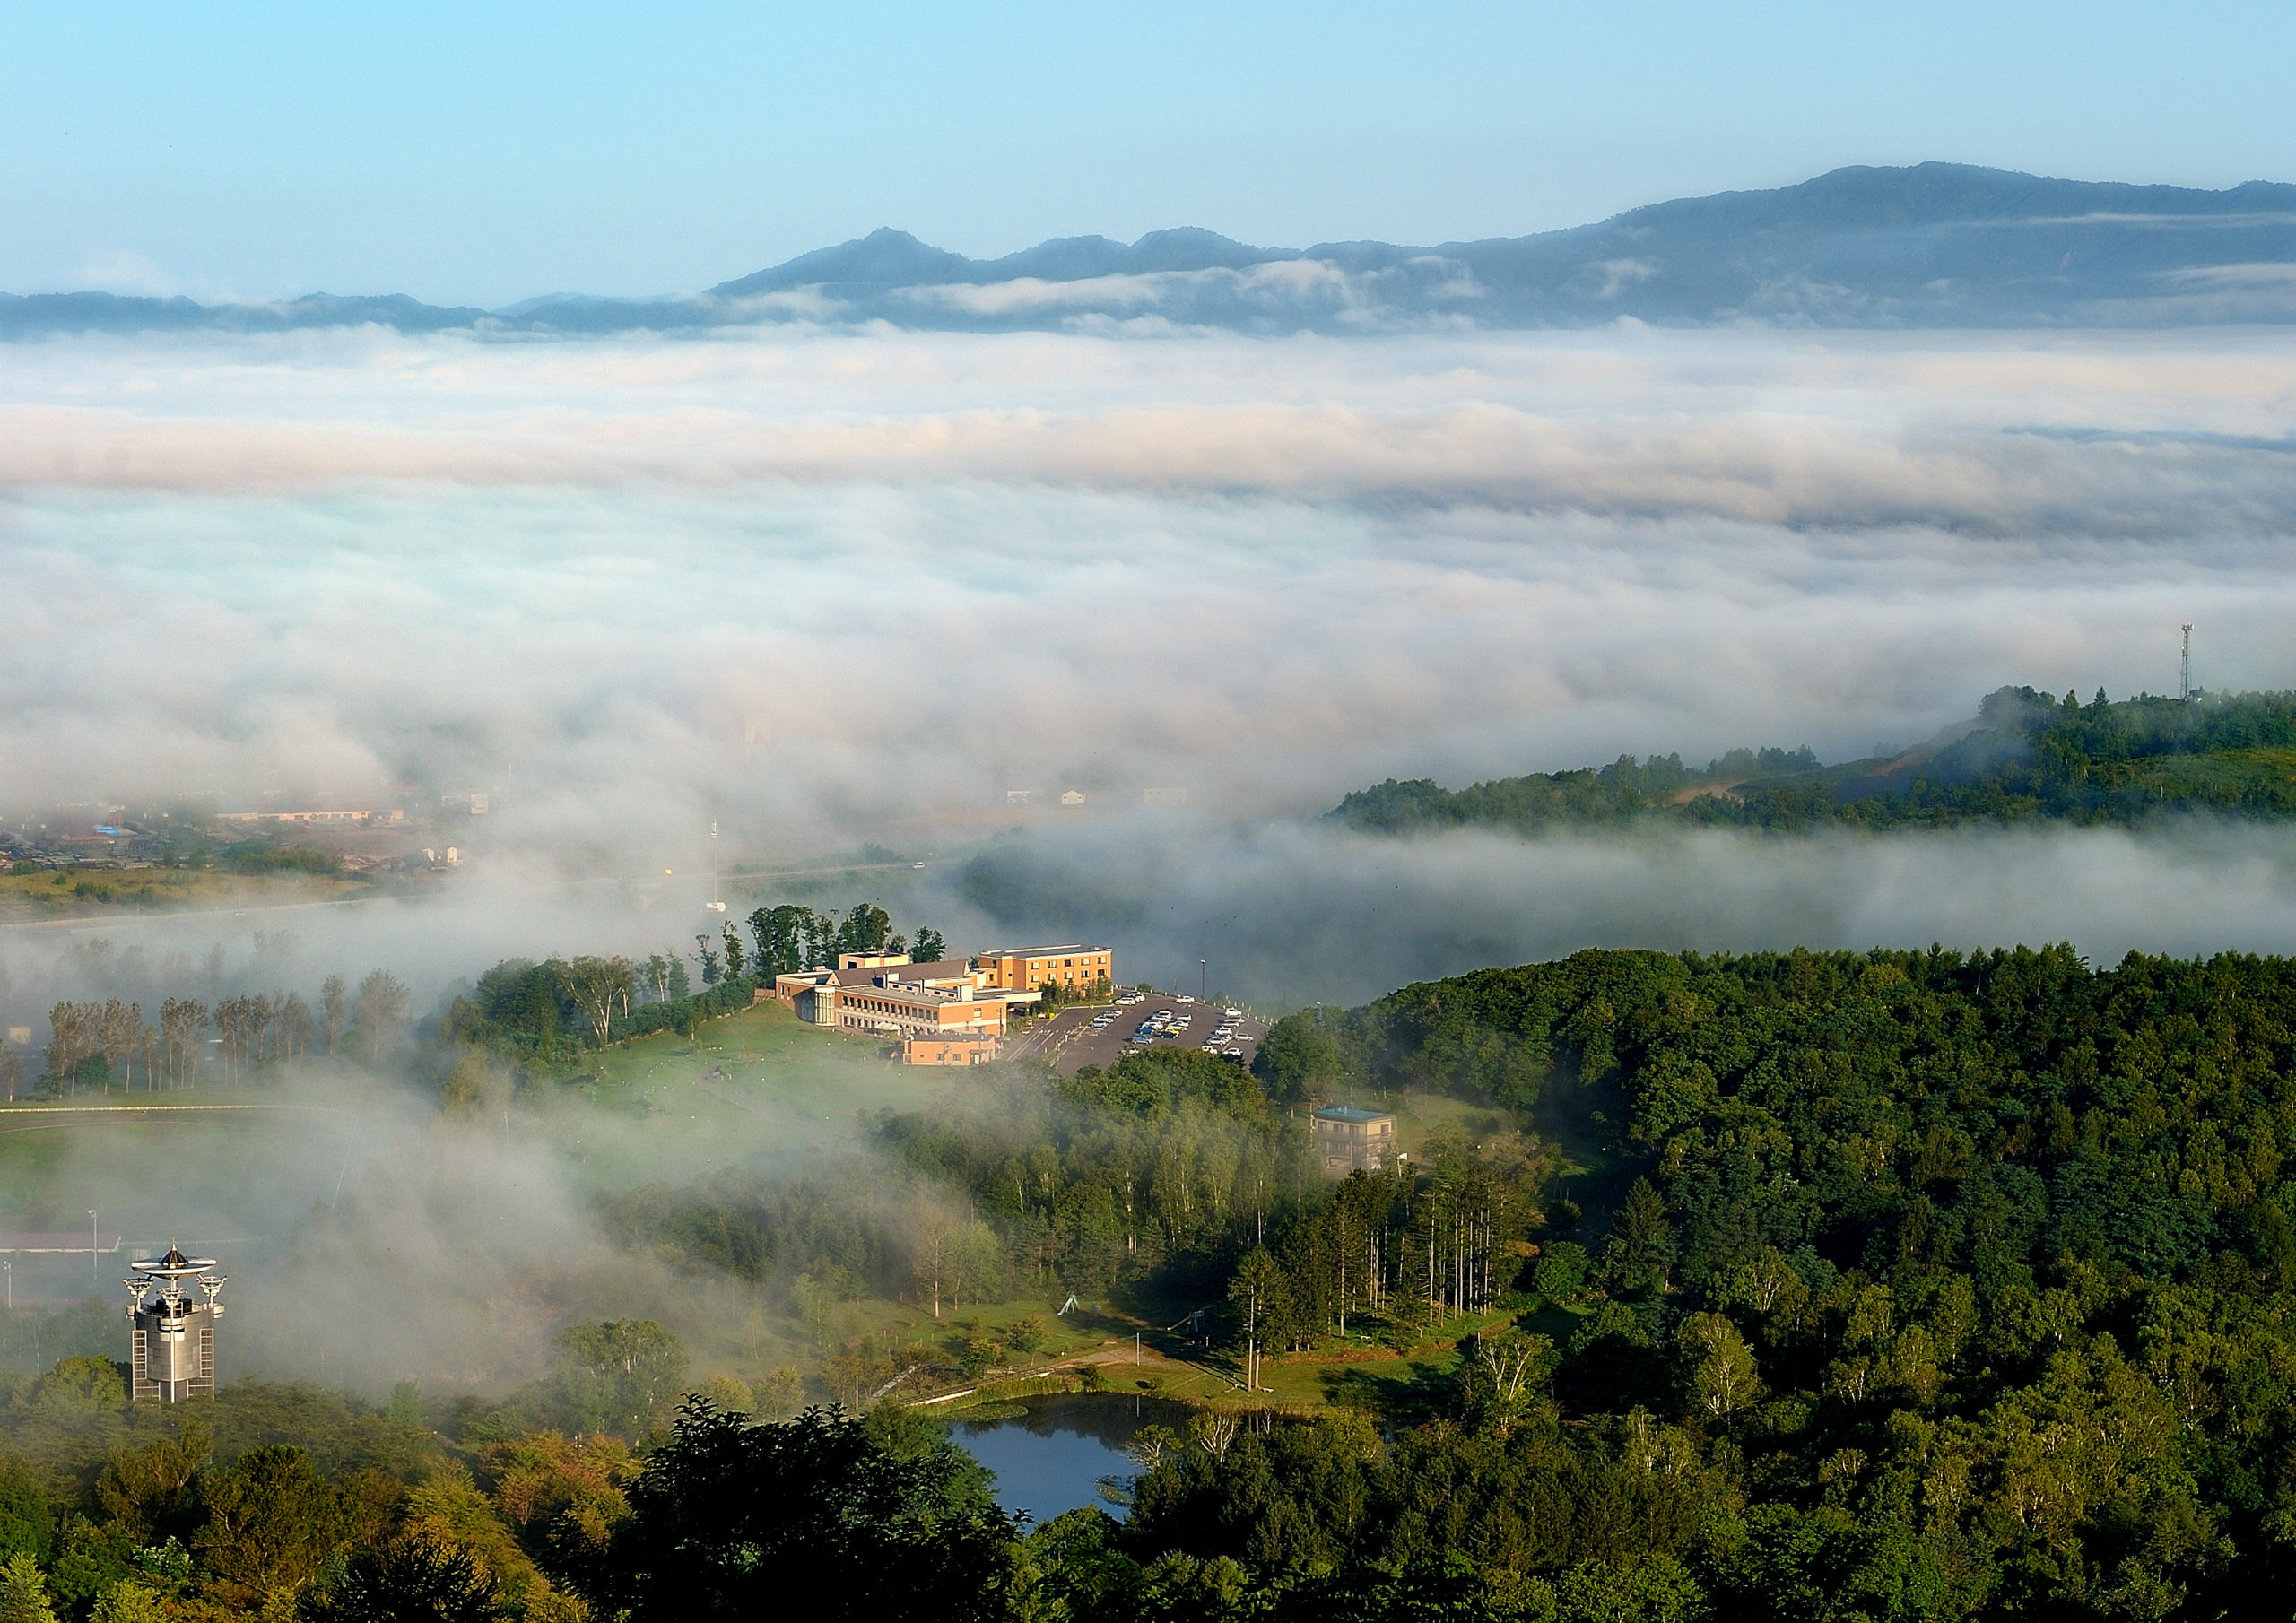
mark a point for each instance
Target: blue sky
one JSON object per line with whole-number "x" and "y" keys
{"x": 482, "y": 153}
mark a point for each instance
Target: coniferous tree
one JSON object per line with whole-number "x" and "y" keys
{"x": 24, "y": 1591}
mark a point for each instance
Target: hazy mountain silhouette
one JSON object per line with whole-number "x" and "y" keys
{"x": 1935, "y": 244}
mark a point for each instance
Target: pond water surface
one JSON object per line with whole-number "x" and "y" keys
{"x": 1051, "y": 1458}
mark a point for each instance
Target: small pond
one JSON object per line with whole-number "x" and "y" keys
{"x": 1050, "y": 1458}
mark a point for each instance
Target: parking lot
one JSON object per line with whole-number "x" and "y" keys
{"x": 1089, "y": 1036}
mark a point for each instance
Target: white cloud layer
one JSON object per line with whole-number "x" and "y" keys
{"x": 819, "y": 586}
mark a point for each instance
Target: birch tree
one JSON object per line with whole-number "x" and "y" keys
{"x": 600, "y": 988}
{"x": 378, "y": 1012}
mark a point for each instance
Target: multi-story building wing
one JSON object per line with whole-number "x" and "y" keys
{"x": 1072, "y": 968}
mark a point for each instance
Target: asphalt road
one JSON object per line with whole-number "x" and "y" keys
{"x": 1070, "y": 1043}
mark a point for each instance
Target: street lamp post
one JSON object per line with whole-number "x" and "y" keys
{"x": 91, "y": 1248}
{"x": 1204, "y": 984}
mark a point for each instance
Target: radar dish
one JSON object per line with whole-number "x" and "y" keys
{"x": 175, "y": 1265}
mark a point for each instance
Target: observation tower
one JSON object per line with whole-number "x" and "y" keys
{"x": 175, "y": 1334}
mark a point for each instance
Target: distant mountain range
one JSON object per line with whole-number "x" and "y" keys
{"x": 1935, "y": 244}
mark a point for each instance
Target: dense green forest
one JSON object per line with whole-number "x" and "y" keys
{"x": 1896, "y": 1285}
{"x": 1884, "y": 1286}
{"x": 2028, "y": 757}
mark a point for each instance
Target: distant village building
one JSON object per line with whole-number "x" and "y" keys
{"x": 1348, "y": 1140}
{"x": 1070, "y": 797}
{"x": 1019, "y": 797}
{"x": 1072, "y": 968}
{"x": 310, "y": 817}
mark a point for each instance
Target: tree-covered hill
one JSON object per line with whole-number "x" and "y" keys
{"x": 2028, "y": 757}
{"x": 1941, "y": 1286}
{"x": 1826, "y": 1287}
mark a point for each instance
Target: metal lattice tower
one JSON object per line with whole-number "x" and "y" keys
{"x": 2184, "y": 671}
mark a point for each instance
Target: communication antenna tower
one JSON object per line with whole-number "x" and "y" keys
{"x": 2184, "y": 676}
{"x": 716, "y": 902}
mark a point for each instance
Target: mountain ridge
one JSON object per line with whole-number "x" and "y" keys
{"x": 1928, "y": 245}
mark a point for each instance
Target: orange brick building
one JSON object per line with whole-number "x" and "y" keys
{"x": 1072, "y": 968}
{"x": 948, "y": 1048}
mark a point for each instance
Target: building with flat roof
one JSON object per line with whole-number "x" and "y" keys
{"x": 858, "y": 969}
{"x": 1074, "y": 968}
{"x": 904, "y": 1000}
{"x": 1347, "y": 1139}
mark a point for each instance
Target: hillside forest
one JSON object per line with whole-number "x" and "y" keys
{"x": 2027, "y": 758}
{"x": 1882, "y": 1286}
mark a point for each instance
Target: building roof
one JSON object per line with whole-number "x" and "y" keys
{"x": 1345, "y": 1113}
{"x": 910, "y": 992}
{"x": 1039, "y": 952}
{"x": 940, "y": 972}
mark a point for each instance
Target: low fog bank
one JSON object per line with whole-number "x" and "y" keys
{"x": 1287, "y": 915}
{"x": 1285, "y": 912}
{"x": 456, "y": 1253}
{"x": 496, "y": 908}
{"x": 617, "y": 674}
{"x": 369, "y": 1240}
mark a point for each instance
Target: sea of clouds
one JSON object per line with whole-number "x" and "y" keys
{"x": 832, "y": 587}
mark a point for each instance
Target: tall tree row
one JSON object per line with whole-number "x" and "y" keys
{"x": 97, "y": 1045}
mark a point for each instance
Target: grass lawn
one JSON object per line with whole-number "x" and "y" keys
{"x": 1421, "y": 1118}
{"x": 2261, "y": 778}
{"x": 753, "y": 1090}
{"x": 97, "y": 891}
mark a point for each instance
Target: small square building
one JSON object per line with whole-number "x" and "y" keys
{"x": 1347, "y": 1139}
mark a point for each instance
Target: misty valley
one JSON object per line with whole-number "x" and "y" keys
{"x": 919, "y": 936}
{"x": 1917, "y": 1283}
